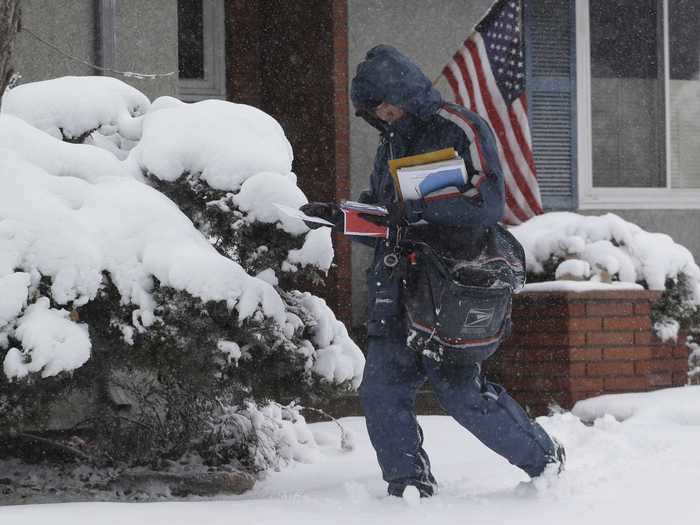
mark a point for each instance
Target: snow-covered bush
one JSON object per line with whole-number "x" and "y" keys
{"x": 94, "y": 110}
{"x": 270, "y": 437}
{"x": 608, "y": 249}
{"x": 149, "y": 266}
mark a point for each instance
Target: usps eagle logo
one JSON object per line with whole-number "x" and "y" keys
{"x": 479, "y": 317}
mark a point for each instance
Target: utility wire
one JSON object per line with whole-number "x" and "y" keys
{"x": 128, "y": 74}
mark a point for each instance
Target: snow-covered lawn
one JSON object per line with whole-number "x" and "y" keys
{"x": 642, "y": 469}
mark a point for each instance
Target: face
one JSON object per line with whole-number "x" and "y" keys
{"x": 388, "y": 112}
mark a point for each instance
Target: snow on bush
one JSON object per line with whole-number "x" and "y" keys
{"x": 236, "y": 162}
{"x": 608, "y": 249}
{"x": 275, "y": 434}
{"x": 102, "y": 110}
{"x": 573, "y": 269}
{"x": 137, "y": 273}
{"x": 72, "y": 231}
{"x": 613, "y": 248}
{"x": 224, "y": 143}
{"x": 58, "y": 158}
{"x": 336, "y": 360}
{"x": 52, "y": 342}
{"x": 667, "y": 330}
{"x": 694, "y": 359}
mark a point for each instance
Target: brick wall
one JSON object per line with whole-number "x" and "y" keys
{"x": 570, "y": 346}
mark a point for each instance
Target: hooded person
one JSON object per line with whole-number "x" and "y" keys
{"x": 393, "y": 95}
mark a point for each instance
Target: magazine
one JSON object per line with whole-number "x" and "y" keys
{"x": 431, "y": 175}
{"x": 357, "y": 225}
{"x": 434, "y": 180}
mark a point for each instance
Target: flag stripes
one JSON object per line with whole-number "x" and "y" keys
{"x": 478, "y": 87}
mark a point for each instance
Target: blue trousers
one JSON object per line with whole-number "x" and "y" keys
{"x": 392, "y": 376}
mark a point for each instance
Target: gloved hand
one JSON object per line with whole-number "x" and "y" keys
{"x": 329, "y": 211}
{"x": 396, "y": 215}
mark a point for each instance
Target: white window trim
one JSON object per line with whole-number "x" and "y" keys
{"x": 590, "y": 197}
{"x": 214, "y": 83}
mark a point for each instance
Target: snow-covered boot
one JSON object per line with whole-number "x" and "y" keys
{"x": 558, "y": 460}
{"x": 397, "y": 489}
{"x": 547, "y": 478}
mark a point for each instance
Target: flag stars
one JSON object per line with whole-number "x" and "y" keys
{"x": 502, "y": 44}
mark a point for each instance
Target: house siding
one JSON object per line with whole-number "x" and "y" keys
{"x": 681, "y": 225}
{"x": 145, "y": 41}
{"x": 67, "y": 23}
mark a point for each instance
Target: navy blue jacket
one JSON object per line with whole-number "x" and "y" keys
{"x": 455, "y": 225}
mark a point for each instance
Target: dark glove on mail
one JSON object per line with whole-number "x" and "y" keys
{"x": 329, "y": 211}
{"x": 396, "y": 215}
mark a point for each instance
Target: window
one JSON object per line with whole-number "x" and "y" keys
{"x": 638, "y": 78}
{"x": 551, "y": 93}
{"x": 684, "y": 96}
{"x": 201, "y": 44}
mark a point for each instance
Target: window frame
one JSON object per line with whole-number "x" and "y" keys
{"x": 591, "y": 197}
{"x": 213, "y": 85}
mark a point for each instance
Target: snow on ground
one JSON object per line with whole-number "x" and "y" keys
{"x": 680, "y": 406}
{"x": 643, "y": 470}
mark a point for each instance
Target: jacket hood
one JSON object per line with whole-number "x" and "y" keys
{"x": 386, "y": 75}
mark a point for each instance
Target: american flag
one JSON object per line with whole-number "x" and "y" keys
{"x": 487, "y": 76}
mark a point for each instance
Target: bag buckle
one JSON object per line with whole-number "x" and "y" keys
{"x": 391, "y": 260}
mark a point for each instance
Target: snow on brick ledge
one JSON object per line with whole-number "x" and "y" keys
{"x": 567, "y": 346}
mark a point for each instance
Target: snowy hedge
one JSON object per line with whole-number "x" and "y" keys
{"x": 607, "y": 251}
{"x": 142, "y": 258}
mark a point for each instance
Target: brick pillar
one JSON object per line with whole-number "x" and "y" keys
{"x": 571, "y": 346}
{"x": 244, "y": 25}
{"x": 290, "y": 59}
{"x": 341, "y": 109}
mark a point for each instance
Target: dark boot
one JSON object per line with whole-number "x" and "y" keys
{"x": 425, "y": 490}
{"x": 557, "y": 459}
